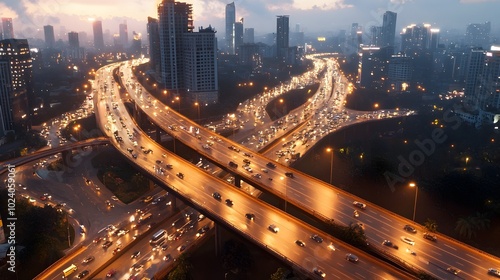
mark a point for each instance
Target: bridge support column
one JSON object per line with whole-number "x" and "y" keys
{"x": 66, "y": 158}
{"x": 174, "y": 203}
{"x": 237, "y": 181}
{"x": 137, "y": 114}
{"x": 158, "y": 134}
{"x": 218, "y": 240}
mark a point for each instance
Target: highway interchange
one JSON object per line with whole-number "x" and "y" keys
{"x": 308, "y": 193}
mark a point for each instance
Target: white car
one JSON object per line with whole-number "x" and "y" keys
{"x": 408, "y": 240}
{"x": 274, "y": 228}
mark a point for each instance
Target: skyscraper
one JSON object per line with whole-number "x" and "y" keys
{"x": 73, "y": 41}
{"x": 174, "y": 19}
{"x": 416, "y": 37}
{"x": 98, "y": 35}
{"x": 8, "y": 28}
{"x": 282, "y": 36}
{"x": 16, "y": 90}
{"x": 388, "y": 31}
{"x": 200, "y": 59}
{"x": 248, "y": 36}
{"x": 123, "y": 34}
{"x": 478, "y": 35}
{"x": 237, "y": 35}
{"x": 154, "y": 44}
{"x": 230, "y": 20}
{"x": 50, "y": 40}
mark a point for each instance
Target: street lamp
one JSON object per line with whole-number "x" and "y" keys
{"x": 413, "y": 185}
{"x": 330, "y": 150}
{"x": 198, "y": 107}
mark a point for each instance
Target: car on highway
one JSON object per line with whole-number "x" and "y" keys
{"x": 494, "y": 271}
{"x": 453, "y": 270}
{"x": 233, "y": 164}
{"x": 88, "y": 259}
{"x": 82, "y": 274}
{"x": 257, "y": 175}
{"x": 351, "y": 257}
{"x": 408, "y": 240}
{"x": 167, "y": 257}
{"x": 409, "y": 228}
{"x": 111, "y": 273}
{"x": 137, "y": 267}
{"x": 250, "y": 216}
{"x": 116, "y": 250}
{"x": 359, "y": 204}
{"x": 390, "y": 244}
{"x": 181, "y": 248}
{"x": 217, "y": 195}
{"x": 180, "y": 175}
{"x": 274, "y": 228}
{"x": 430, "y": 236}
{"x": 107, "y": 244}
{"x": 97, "y": 239}
{"x": 229, "y": 202}
{"x": 316, "y": 238}
{"x": 271, "y": 165}
{"x": 300, "y": 243}
{"x": 319, "y": 272}
{"x": 289, "y": 174}
{"x": 246, "y": 161}
{"x": 135, "y": 255}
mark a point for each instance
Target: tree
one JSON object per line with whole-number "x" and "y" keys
{"x": 279, "y": 274}
{"x": 466, "y": 227}
{"x": 431, "y": 225}
{"x": 183, "y": 269}
{"x": 481, "y": 221}
{"x": 236, "y": 256}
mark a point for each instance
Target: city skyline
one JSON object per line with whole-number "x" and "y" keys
{"x": 317, "y": 16}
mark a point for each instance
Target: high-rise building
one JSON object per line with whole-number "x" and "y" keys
{"x": 400, "y": 73}
{"x": 123, "y": 34}
{"x": 230, "y": 20}
{"x": 478, "y": 35}
{"x": 482, "y": 87}
{"x": 50, "y": 39}
{"x": 136, "y": 45}
{"x": 16, "y": 90}
{"x": 282, "y": 36}
{"x": 8, "y": 28}
{"x": 73, "y": 41}
{"x": 419, "y": 37}
{"x": 98, "y": 35}
{"x": 373, "y": 66}
{"x": 376, "y": 36}
{"x": 200, "y": 59}
{"x": 237, "y": 35}
{"x": 187, "y": 58}
{"x": 154, "y": 44}
{"x": 174, "y": 19}
{"x": 388, "y": 31}
{"x": 248, "y": 36}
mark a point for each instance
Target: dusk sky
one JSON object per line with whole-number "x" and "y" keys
{"x": 313, "y": 15}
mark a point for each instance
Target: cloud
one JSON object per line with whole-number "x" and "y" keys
{"x": 7, "y": 12}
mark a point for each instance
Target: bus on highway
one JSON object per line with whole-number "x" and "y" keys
{"x": 68, "y": 271}
{"x": 144, "y": 219}
{"x": 158, "y": 237}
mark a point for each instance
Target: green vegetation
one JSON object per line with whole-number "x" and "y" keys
{"x": 120, "y": 177}
{"x": 41, "y": 235}
{"x": 182, "y": 270}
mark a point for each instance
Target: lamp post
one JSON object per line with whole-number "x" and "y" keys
{"x": 197, "y": 104}
{"x": 330, "y": 150}
{"x": 413, "y": 185}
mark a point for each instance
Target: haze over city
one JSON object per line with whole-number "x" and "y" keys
{"x": 314, "y": 16}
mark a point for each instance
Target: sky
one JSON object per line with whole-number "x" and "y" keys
{"x": 314, "y": 16}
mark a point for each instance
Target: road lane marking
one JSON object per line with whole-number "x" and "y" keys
{"x": 455, "y": 249}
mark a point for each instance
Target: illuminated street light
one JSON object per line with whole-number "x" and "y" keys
{"x": 330, "y": 150}
{"x": 413, "y": 185}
